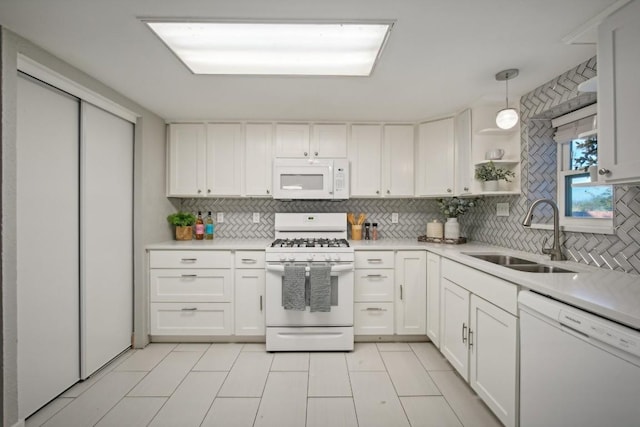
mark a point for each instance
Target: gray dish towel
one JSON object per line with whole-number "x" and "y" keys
{"x": 293, "y": 288}
{"x": 320, "y": 284}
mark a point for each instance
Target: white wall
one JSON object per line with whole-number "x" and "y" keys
{"x": 151, "y": 205}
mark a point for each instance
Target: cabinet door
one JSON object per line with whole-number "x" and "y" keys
{"x": 373, "y": 318}
{"x": 224, "y": 159}
{"x": 398, "y": 161}
{"x": 187, "y": 160}
{"x": 618, "y": 94}
{"x": 365, "y": 150}
{"x": 292, "y": 140}
{"x": 411, "y": 288}
{"x": 433, "y": 298}
{"x": 493, "y": 358}
{"x": 249, "y": 302}
{"x": 258, "y": 159}
{"x": 454, "y": 323}
{"x": 435, "y": 166}
{"x": 329, "y": 141}
{"x": 190, "y": 318}
{"x": 462, "y": 152}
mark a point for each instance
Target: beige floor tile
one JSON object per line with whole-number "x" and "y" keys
{"x": 219, "y": 357}
{"x": 248, "y": 375}
{"x": 132, "y": 412}
{"x": 331, "y": 411}
{"x": 40, "y": 417}
{"x": 146, "y": 359}
{"x": 191, "y": 400}
{"x": 202, "y": 347}
{"x": 232, "y": 412}
{"x": 430, "y": 357}
{"x": 290, "y": 362}
{"x": 83, "y": 386}
{"x": 254, "y": 347}
{"x": 464, "y": 402}
{"x": 165, "y": 378}
{"x": 376, "y": 401}
{"x": 328, "y": 375}
{"x": 429, "y": 411}
{"x": 93, "y": 404}
{"x": 407, "y": 374}
{"x": 365, "y": 357}
{"x": 393, "y": 346}
{"x": 284, "y": 403}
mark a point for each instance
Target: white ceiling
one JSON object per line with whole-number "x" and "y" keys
{"x": 442, "y": 55}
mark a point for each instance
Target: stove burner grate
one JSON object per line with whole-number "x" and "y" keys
{"x": 310, "y": 243}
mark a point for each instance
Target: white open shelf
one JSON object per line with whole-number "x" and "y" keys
{"x": 499, "y": 162}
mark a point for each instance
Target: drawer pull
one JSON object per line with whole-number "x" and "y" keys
{"x": 189, "y": 309}
{"x": 470, "y": 339}
{"x": 400, "y": 292}
{"x": 249, "y": 260}
{"x": 189, "y": 259}
{"x": 189, "y": 275}
{"x": 376, "y": 260}
{"x": 464, "y": 333}
{"x": 260, "y": 302}
{"x": 375, "y": 276}
{"x": 374, "y": 309}
{"x": 249, "y": 277}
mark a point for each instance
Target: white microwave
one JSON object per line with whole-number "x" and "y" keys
{"x": 311, "y": 179}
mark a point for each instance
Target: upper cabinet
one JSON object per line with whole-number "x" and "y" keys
{"x": 618, "y": 95}
{"x": 224, "y": 159}
{"x": 398, "y": 161}
{"x": 365, "y": 154}
{"x": 258, "y": 159}
{"x": 306, "y": 141}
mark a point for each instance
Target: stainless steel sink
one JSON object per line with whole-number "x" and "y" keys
{"x": 505, "y": 260}
{"x": 539, "y": 268}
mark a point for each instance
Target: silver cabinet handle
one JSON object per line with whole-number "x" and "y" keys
{"x": 401, "y": 292}
{"x": 268, "y": 191}
{"x": 604, "y": 171}
{"x": 388, "y": 191}
{"x": 189, "y": 275}
{"x": 375, "y": 276}
{"x": 199, "y": 191}
{"x": 208, "y": 191}
{"x": 464, "y": 333}
{"x": 316, "y": 154}
{"x": 470, "y": 338}
{"x": 260, "y": 302}
{"x": 249, "y": 277}
{"x": 189, "y": 259}
{"x": 374, "y": 259}
{"x": 190, "y": 309}
{"x": 249, "y": 260}
{"x": 377, "y": 191}
{"x": 305, "y": 154}
{"x": 374, "y": 309}
{"x": 449, "y": 190}
{"x": 466, "y": 188}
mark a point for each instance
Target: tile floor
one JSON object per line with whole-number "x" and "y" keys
{"x": 180, "y": 385}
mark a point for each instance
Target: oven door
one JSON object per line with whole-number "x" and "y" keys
{"x": 300, "y": 179}
{"x": 341, "y": 314}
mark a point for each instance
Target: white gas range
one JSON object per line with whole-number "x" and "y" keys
{"x": 303, "y": 243}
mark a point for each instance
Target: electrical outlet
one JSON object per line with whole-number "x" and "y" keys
{"x": 220, "y": 217}
{"x": 394, "y": 218}
{"x": 502, "y": 209}
{"x": 256, "y": 217}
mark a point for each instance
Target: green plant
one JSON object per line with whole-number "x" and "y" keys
{"x": 589, "y": 154}
{"x": 182, "y": 219}
{"x": 453, "y": 207}
{"x": 489, "y": 172}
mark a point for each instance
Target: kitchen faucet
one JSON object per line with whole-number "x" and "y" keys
{"x": 554, "y": 251}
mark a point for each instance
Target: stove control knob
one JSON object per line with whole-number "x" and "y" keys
{"x": 283, "y": 258}
{"x": 310, "y": 257}
{"x": 337, "y": 258}
{"x": 291, "y": 258}
{"x": 327, "y": 257}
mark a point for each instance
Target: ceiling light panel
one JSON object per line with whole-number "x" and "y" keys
{"x": 336, "y": 49}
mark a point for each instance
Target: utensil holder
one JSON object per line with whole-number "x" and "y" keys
{"x": 356, "y": 232}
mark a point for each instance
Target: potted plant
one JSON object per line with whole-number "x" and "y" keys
{"x": 183, "y": 221}
{"x": 452, "y": 208}
{"x": 489, "y": 174}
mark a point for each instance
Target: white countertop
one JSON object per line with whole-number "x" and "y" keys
{"x": 610, "y": 294}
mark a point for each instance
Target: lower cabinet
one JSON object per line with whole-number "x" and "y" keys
{"x": 411, "y": 289}
{"x": 433, "y": 298}
{"x": 174, "y": 318}
{"x": 249, "y": 293}
{"x": 480, "y": 339}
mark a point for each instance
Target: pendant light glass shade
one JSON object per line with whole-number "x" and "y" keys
{"x": 507, "y": 117}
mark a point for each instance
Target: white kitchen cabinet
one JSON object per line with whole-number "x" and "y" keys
{"x": 258, "y": 159}
{"x": 224, "y": 159}
{"x": 292, "y": 140}
{"x": 365, "y": 156}
{"x": 411, "y": 290}
{"x": 187, "y": 175}
{"x": 398, "y": 161}
{"x": 190, "y": 319}
{"x": 306, "y": 141}
{"x": 618, "y": 94}
{"x": 374, "y": 293}
{"x": 454, "y": 319}
{"x": 462, "y": 138}
{"x": 329, "y": 141}
{"x": 433, "y": 298}
{"x": 249, "y": 293}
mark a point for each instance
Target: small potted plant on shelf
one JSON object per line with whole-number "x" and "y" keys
{"x": 183, "y": 221}
{"x": 489, "y": 174}
{"x": 452, "y": 208}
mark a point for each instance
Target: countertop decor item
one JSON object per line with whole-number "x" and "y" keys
{"x": 183, "y": 221}
{"x": 457, "y": 241}
{"x": 490, "y": 174}
{"x": 435, "y": 229}
{"x": 356, "y": 225}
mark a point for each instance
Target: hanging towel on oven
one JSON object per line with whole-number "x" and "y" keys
{"x": 293, "y": 291}
{"x": 320, "y": 284}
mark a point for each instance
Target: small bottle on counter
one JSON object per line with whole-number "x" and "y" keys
{"x": 374, "y": 231}
{"x": 208, "y": 227}
{"x": 367, "y": 226}
{"x": 199, "y": 227}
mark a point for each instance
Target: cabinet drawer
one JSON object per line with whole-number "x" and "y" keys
{"x": 493, "y": 289}
{"x": 167, "y": 318}
{"x": 190, "y": 285}
{"x": 190, "y": 259}
{"x": 249, "y": 259}
{"x": 374, "y": 259}
{"x": 373, "y": 318}
{"x": 373, "y": 285}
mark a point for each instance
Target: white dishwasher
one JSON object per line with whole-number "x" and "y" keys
{"x": 576, "y": 369}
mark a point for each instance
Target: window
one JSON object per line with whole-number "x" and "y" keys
{"x": 584, "y": 205}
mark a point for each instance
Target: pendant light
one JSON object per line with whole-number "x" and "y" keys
{"x": 507, "y": 117}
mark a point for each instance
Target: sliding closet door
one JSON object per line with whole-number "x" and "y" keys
{"x": 47, "y": 244}
{"x": 107, "y": 237}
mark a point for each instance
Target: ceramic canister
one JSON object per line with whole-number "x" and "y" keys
{"x": 435, "y": 229}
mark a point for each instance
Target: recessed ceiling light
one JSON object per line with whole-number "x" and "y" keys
{"x": 259, "y": 48}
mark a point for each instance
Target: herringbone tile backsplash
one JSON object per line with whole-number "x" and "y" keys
{"x": 620, "y": 251}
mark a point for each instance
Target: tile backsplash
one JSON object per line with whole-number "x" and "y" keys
{"x": 620, "y": 251}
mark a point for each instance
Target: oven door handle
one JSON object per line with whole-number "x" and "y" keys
{"x": 334, "y": 268}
